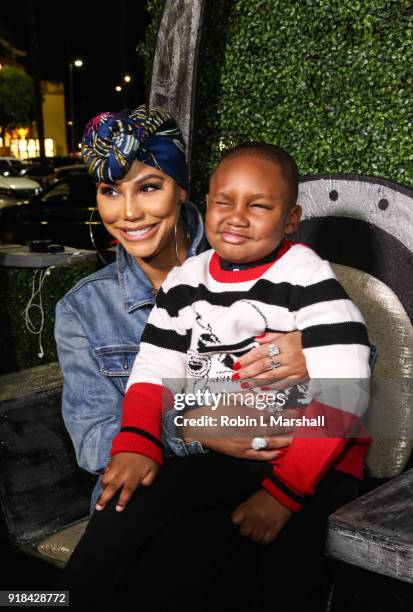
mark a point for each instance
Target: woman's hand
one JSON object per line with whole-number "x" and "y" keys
{"x": 126, "y": 471}
{"x": 236, "y": 440}
{"x": 241, "y": 447}
{"x": 254, "y": 366}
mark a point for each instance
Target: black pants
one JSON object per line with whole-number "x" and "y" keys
{"x": 174, "y": 546}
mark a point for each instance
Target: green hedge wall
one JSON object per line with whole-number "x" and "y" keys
{"x": 329, "y": 80}
{"x": 19, "y": 347}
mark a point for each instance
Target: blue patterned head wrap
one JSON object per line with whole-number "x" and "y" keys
{"x": 112, "y": 141}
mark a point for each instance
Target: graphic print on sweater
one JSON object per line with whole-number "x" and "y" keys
{"x": 210, "y": 363}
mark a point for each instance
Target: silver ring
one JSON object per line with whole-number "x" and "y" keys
{"x": 273, "y": 364}
{"x": 259, "y": 443}
{"x": 273, "y": 350}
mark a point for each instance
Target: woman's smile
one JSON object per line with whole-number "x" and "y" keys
{"x": 140, "y": 233}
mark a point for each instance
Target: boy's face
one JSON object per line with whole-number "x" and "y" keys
{"x": 247, "y": 211}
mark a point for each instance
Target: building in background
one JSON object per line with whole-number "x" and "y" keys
{"x": 22, "y": 142}
{"x": 54, "y": 118}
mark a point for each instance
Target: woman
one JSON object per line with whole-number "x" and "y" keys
{"x": 138, "y": 161}
{"x": 100, "y": 321}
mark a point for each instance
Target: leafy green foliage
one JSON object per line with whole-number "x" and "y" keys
{"x": 21, "y": 346}
{"x": 16, "y": 98}
{"x": 328, "y": 80}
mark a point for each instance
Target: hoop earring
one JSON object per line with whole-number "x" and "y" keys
{"x": 92, "y": 239}
{"x": 176, "y": 242}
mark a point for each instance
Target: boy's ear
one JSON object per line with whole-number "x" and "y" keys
{"x": 293, "y": 219}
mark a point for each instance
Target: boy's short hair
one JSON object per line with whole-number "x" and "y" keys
{"x": 274, "y": 154}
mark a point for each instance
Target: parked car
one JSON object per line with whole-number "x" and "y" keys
{"x": 63, "y": 172}
{"x": 61, "y": 213}
{"x": 16, "y": 164}
{"x": 13, "y": 187}
{"x": 58, "y": 160}
{"x": 37, "y": 171}
{"x": 34, "y": 169}
{"x": 66, "y": 160}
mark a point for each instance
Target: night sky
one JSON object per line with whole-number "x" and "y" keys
{"x": 103, "y": 35}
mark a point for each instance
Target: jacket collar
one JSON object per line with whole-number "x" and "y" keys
{"x": 135, "y": 286}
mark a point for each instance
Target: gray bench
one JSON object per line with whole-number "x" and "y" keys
{"x": 45, "y": 495}
{"x": 375, "y": 532}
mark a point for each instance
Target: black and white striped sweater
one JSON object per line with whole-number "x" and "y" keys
{"x": 206, "y": 317}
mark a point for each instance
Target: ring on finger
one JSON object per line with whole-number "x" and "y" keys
{"x": 259, "y": 443}
{"x": 273, "y": 351}
{"x": 273, "y": 364}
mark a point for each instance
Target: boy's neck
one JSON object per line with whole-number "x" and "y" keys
{"x": 229, "y": 265}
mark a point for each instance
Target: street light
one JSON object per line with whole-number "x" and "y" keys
{"x": 77, "y": 63}
{"x": 118, "y": 88}
{"x": 127, "y": 78}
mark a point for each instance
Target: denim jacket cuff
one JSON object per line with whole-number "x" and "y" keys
{"x": 173, "y": 445}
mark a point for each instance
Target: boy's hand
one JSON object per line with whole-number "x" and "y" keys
{"x": 126, "y": 471}
{"x": 261, "y": 517}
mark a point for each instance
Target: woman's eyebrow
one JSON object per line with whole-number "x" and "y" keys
{"x": 149, "y": 176}
{"x": 140, "y": 180}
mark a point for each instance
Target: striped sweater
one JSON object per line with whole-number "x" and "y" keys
{"x": 205, "y": 318}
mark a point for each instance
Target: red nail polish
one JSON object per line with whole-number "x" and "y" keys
{"x": 236, "y": 366}
{"x": 235, "y": 377}
{"x": 244, "y": 385}
{"x": 265, "y": 388}
{"x": 260, "y": 336}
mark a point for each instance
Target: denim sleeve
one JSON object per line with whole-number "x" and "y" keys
{"x": 173, "y": 445}
{"x": 91, "y": 404}
{"x": 373, "y": 356}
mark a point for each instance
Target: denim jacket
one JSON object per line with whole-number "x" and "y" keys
{"x": 98, "y": 328}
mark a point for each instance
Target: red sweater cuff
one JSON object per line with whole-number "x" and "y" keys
{"x": 281, "y": 496}
{"x": 314, "y": 450}
{"x": 130, "y": 442}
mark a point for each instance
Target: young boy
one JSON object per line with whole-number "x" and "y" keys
{"x": 210, "y": 310}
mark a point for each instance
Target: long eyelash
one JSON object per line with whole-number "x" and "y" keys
{"x": 109, "y": 190}
{"x": 106, "y": 190}
{"x": 153, "y": 185}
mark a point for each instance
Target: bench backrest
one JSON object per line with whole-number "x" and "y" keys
{"x": 364, "y": 226}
